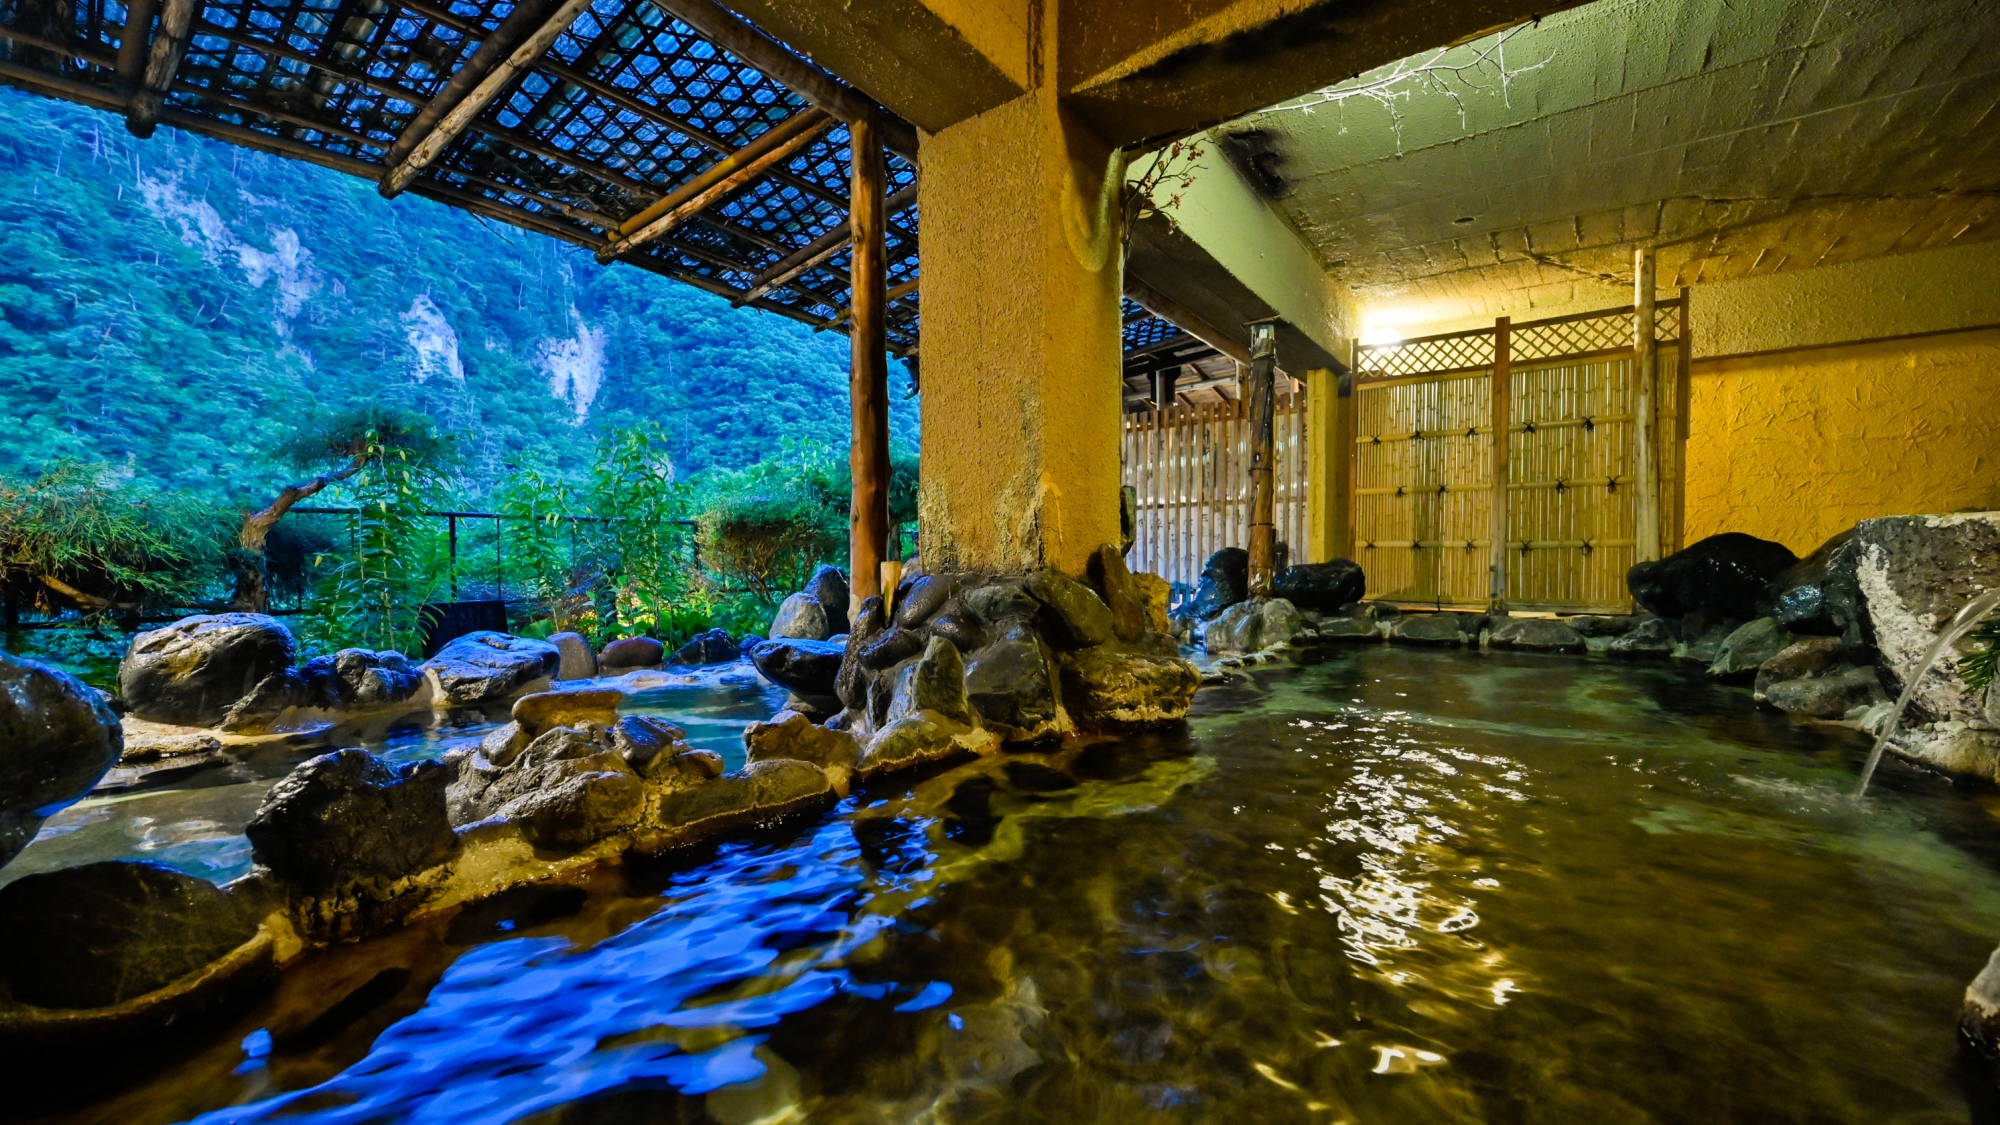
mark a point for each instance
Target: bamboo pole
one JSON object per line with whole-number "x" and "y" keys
{"x": 1501, "y": 419}
{"x": 491, "y": 51}
{"x": 132, "y": 45}
{"x": 431, "y": 145}
{"x": 1647, "y": 530}
{"x": 773, "y": 146}
{"x": 868, "y": 378}
{"x": 1683, "y": 390}
{"x": 163, "y": 60}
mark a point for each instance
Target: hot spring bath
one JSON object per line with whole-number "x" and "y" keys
{"x": 1384, "y": 886}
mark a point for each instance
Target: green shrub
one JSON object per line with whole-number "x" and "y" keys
{"x": 80, "y": 536}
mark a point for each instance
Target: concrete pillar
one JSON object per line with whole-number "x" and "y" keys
{"x": 1022, "y": 389}
{"x": 1329, "y": 461}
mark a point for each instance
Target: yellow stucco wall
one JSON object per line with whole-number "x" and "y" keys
{"x": 1797, "y": 445}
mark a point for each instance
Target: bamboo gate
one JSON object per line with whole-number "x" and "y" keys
{"x": 1190, "y": 466}
{"x": 1573, "y": 472}
{"x": 1425, "y": 512}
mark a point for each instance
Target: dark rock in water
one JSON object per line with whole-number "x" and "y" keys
{"x": 1652, "y": 637}
{"x": 1703, "y": 633}
{"x": 374, "y": 679}
{"x": 893, "y": 647}
{"x": 351, "y": 679}
{"x": 802, "y": 617}
{"x": 919, "y": 738}
{"x": 1818, "y": 596}
{"x": 1342, "y": 627}
{"x": 957, "y": 625}
{"x": 1075, "y": 616}
{"x": 348, "y": 817}
{"x": 757, "y": 793}
{"x": 1915, "y": 573}
{"x": 193, "y": 671}
{"x": 1008, "y": 685}
{"x": 1225, "y": 580}
{"x": 578, "y": 661}
{"x": 579, "y": 810}
{"x": 1744, "y": 650}
{"x": 711, "y": 647}
{"x": 1830, "y": 696}
{"x": 920, "y": 599}
{"x": 1812, "y": 656}
{"x": 1105, "y": 688}
{"x": 627, "y": 653}
{"x": 933, "y": 682}
{"x": 1114, "y": 581}
{"x": 1444, "y": 630}
{"x": 103, "y": 933}
{"x": 1593, "y": 625}
{"x": 1003, "y": 600}
{"x": 487, "y": 667}
{"x": 749, "y": 644}
{"x": 546, "y": 710}
{"x": 851, "y": 682}
{"x": 1324, "y": 587}
{"x": 789, "y": 734}
{"x": 829, "y": 588}
{"x": 1536, "y": 634}
{"x": 808, "y": 668}
{"x": 1253, "y": 626}
{"x": 1725, "y": 574}
{"x": 57, "y": 737}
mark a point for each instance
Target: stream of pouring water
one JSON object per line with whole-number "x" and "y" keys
{"x": 1968, "y": 617}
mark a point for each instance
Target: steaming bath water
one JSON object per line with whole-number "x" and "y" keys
{"x": 1391, "y": 886}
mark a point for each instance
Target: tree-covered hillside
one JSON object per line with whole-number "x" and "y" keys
{"x": 176, "y": 306}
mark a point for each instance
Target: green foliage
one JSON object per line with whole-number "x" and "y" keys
{"x": 117, "y": 543}
{"x": 368, "y": 430}
{"x": 396, "y": 561}
{"x": 1978, "y": 667}
{"x": 765, "y": 528}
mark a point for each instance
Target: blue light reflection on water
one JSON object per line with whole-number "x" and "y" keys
{"x": 528, "y": 1024}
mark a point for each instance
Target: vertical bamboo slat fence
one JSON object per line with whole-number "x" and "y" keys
{"x": 1190, "y": 466}
{"x": 1424, "y": 461}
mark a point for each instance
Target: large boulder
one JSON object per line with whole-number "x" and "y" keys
{"x": 933, "y": 682}
{"x": 1650, "y": 638}
{"x": 578, "y": 660}
{"x": 192, "y": 672}
{"x": 1437, "y": 630}
{"x": 352, "y": 679}
{"x": 1915, "y": 573}
{"x": 800, "y": 617}
{"x": 1536, "y": 634}
{"x": 920, "y": 597}
{"x": 1746, "y": 650}
{"x": 806, "y": 668}
{"x": 712, "y": 647}
{"x": 758, "y": 793}
{"x": 1322, "y": 587}
{"x": 1811, "y": 656}
{"x": 1253, "y": 626}
{"x": 1104, "y": 687}
{"x": 628, "y": 653}
{"x": 1074, "y": 616}
{"x": 1725, "y": 574}
{"x": 1225, "y": 580}
{"x": 920, "y": 738}
{"x": 828, "y": 586}
{"x": 1818, "y": 595}
{"x": 57, "y": 738}
{"x": 789, "y": 734}
{"x": 488, "y": 667}
{"x": 1122, "y": 593}
{"x": 1156, "y": 594}
{"x": 1010, "y": 688}
{"x": 572, "y": 786}
{"x": 1830, "y": 696}
{"x": 104, "y": 933}
{"x": 349, "y": 818}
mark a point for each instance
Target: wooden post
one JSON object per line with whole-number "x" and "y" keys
{"x": 1502, "y": 420}
{"x": 868, "y": 373}
{"x": 1163, "y": 386}
{"x": 1682, "y": 390}
{"x": 1343, "y": 465}
{"x": 1263, "y": 535}
{"x": 1644, "y": 386}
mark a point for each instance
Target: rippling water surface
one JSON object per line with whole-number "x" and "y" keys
{"x": 1390, "y": 886}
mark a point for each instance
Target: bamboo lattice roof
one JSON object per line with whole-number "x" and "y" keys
{"x": 626, "y": 105}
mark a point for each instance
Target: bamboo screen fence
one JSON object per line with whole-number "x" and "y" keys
{"x": 1424, "y": 461}
{"x": 1190, "y": 466}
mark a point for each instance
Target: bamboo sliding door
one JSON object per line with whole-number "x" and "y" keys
{"x": 1190, "y": 466}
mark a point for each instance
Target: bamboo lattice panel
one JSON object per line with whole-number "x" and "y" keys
{"x": 1190, "y": 466}
{"x": 1572, "y": 486}
{"x": 1423, "y": 485}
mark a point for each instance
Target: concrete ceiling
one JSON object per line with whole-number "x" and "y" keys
{"x": 1736, "y": 136}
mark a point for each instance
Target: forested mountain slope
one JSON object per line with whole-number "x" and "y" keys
{"x": 177, "y": 305}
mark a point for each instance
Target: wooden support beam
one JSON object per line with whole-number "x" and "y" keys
{"x": 1502, "y": 400}
{"x": 729, "y": 31}
{"x": 1166, "y": 308}
{"x": 820, "y": 249}
{"x": 1646, "y": 467}
{"x": 132, "y": 45}
{"x": 163, "y": 59}
{"x": 491, "y": 52}
{"x": 1263, "y": 531}
{"x": 774, "y": 146}
{"x": 868, "y": 373}
{"x": 1163, "y": 385}
{"x": 428, "y": 147}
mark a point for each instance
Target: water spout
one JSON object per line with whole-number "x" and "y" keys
{"x": 1974, "y": 612}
